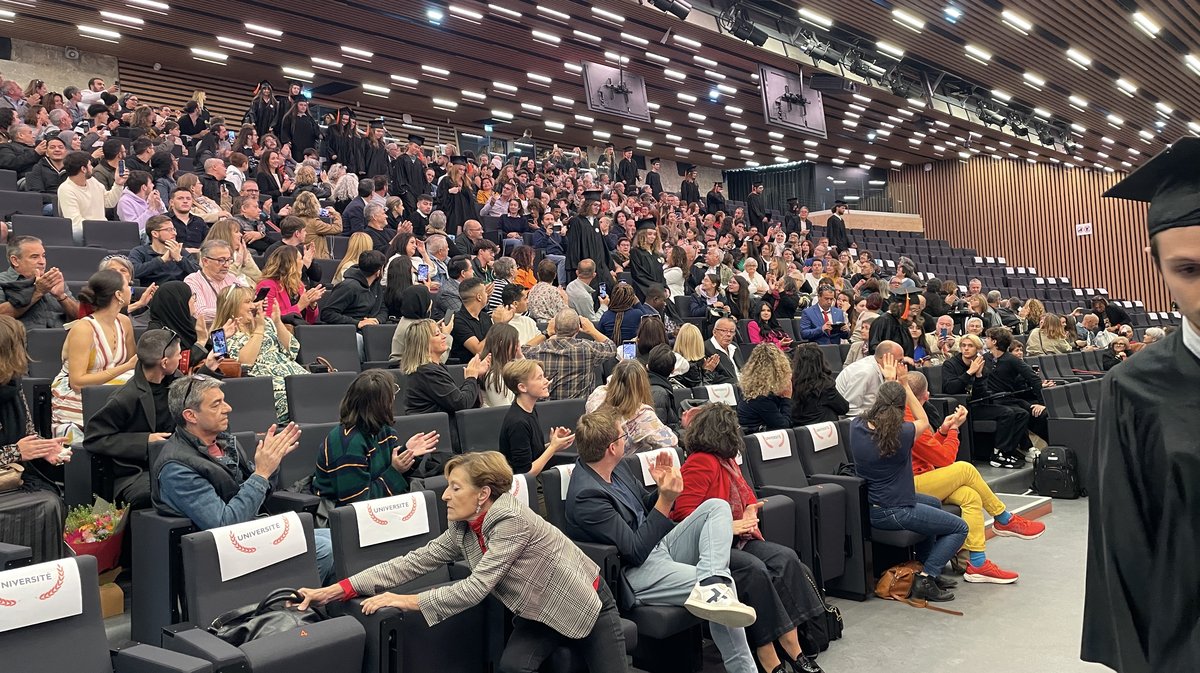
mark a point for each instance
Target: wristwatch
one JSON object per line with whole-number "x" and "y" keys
{"x": 545, "y": 334}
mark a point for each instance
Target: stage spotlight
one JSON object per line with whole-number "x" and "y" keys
{"x": 825, "y": 52}
{"x": 1046, "y": 137}
{"x": 736, "y": 22}
{"x": 992, "y": 118}
{"x": 867, "y": 69}
{"x": 680, "y": 8}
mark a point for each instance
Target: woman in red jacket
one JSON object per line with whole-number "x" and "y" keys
{"x": 768, "y": 576}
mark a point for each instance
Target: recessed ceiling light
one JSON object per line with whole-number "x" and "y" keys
{"x": 554, "y": 125}
{"x": 297, "y": 73}
{"x": 686, "y": 97}
{"x": 706, "y": 62}
{"x": 737, "y": 127}
{"x": 889, "y": 49}
{"x": 696, "y": 117}
{"x": 588, "y": 37}
{"x": 909, "y": 21}
{"x": 1077, "y": 102}
{"x": 209, "y": 56}
{"x": 501, "y": 86}
{"x": 811, "y": 143}
{"x": 897, "y": 163}
{"x": 611, "y": 17}
{"x": 812, "y": 155}
{"x": 978, "y": 54}
{"x": 1114, "y": 120}
{"x": 504, "y": 11}
{"x": 1194, "y": 127}
{"x": 862, "y": 99}
{"x": 837, "y": 160}
{"x": 778, "y": 148}
{"x": 634, "y": 39}
{"x": 237, "y": 45}
{"x": 1129, "y": 88}
{"x": 726, "y": 89}
{"x": 1106, "y": 140}
{"x": 1146, "y": 135}
{"x": 849, "y": 123}
{"x": 1042, "y": 112}
{"x": 152, "y": 5}
{"x": 465, "y": 13}
{"x": 435, "y": 71}
{"x": 645, "y": 143}
{"x": 1016, "y": 21}
{"x": 1163, "y": 108}
{"x": 264, "y": 31}
{"x": 742, "y": 140}
{"x": 653, "y": 106}
{"x": 444, "y": 104}
{"x": 123, "y": 19}
{"x": 1036, "y": 81}
{"x": 563, "y": 101}
{"x": 540, "y": 79}
{"x": 603, "y": 135}
{"x": 630, "y": 129}
{"x": 409, "y": 82}
{"x": 545, "y": 38}
{"x": 1079, "y": 58}
{"x": 674, "y": 74}
{"x": 473, "y": 95}
{"x": 718, "y": 157}
{"x": 712, "y": 74}
{"x": 1193, "y": 62}
{"x": 573, "y": 68}
{"x": 360, "y": 54}
{"x": 746, "y": 153}
{"x": 1147, "y": 25}
{"x": 553, "y": 13}
{"x": 501, "y": 114}
{"x": 776, "y": 135}
{"x": 584, "y": 119}
{"x": 326, "y": 64}
{"x": 375, "y": 89}
{"x": 530, "y": 107}
{"x": 657, "y": 57}
{"x": 734, "y": 110}
{"x": 102, "y": 34}
{"x": 815, "y": 18}
{"x": 663, "y": 123}
{"x": 671, "y": 137}
{"x": 704, "y": 132}
{"x": 682, "y": 150}
{"x": 686, "y": 41}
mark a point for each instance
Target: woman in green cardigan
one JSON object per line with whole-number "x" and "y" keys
{"x": 362, "y": 457}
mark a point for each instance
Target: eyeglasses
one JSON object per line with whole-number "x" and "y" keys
{"x": 725, "y": 330}
{"x": 223, "y": 261}
{"x": 191, "y": 381}
{"x": 172, "y": 340}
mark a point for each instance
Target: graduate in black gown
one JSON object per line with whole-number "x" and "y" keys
{"x": 373, "y": 150}
{"x": 407, "y": 175}
{"x": 835, "y": 227}
{"x": 645, "y": 263}
{"x": 891, "y": 325}
{"x": 584, "y": 241}
{"x": 456, "y": 197}
{"x": 341, "y": 141}
{"x": 1141, "y": 610}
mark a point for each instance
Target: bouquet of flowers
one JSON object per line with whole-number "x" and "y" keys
{"x": 97, "y": 531}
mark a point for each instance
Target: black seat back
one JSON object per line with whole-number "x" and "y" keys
{"x": 76, "y": 263}
{"x": 350, "y": 557}
{"x": 559, "y": 413}
{"x": 774, "y": 459}
{"x": 820, "y": 447}
{"x": 77, "y": 644}
{"x": 252, "y": 402}
{"x": 377, "y": 342}
{"x": 45, "y": 348}
{"x": 336, "y": 343}
{"x": 555, "y": 481}
{"x": 302, "y": 462}
{"x": 52, "y": 230}
{"x": 407, "y": 426}
{"x": 478, "y": 429}
{"x": 108, "y": 235}
{"x": 314, "y": 398}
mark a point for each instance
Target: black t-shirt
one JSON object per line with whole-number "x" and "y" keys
{"x": 520, "y": 438}
{"x": 465, "y": 327}
{"x": 163, "y": 420}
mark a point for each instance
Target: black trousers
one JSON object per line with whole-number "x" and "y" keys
{"x": 1012, "y": 425}
{"x": 769, "y": 578}
{"x": 603, "y": 649}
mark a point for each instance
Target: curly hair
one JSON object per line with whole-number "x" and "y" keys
{"x": 767, "y": 371}
{"x": 714, "y": 429}
{"x": 885, "y": 418}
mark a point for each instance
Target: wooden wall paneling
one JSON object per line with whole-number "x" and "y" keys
{"x": 1027, "y": 214}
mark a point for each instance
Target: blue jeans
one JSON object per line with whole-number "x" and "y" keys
{"x": 945, "y": 532}
{"x": 697, "y": 548}
{"x": 324, "y": 549}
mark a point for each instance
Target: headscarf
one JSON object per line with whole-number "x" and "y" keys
{"x": 169, "y": 309}
{"x": 414, "y": 302}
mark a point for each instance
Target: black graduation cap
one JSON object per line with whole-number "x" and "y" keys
{"x": 656, "y": 160}
{"x": 839, "y": 202}
{"x": 718, "y": 184}
{"x": 647, "y": 223}
{"x": 1170, "y": 183}
{"x": 792, "y": 201}
{"x": 458, "y": 160}
{"x": 414, "y": 138}
{"x": 345, "y": 112}
{"x": 377, "y": 123}
{"x": 627, "y": 148}
{"x": 901, "y": 294}
{"x": 609, "y": 144}
{"x": 593, "y": 194}
{"x": 469, "y": 155}
{"x": 263, "y": 83}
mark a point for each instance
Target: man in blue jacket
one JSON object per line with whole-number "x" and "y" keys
{"x": 824, "y": 323}
{"x": 663, "y": 563}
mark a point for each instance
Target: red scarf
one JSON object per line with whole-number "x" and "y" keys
{"x": 740, "y": 495}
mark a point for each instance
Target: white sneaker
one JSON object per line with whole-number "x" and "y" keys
{"x": 718, "y": 603}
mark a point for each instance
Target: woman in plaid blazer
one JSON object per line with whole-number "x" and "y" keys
{"x": 551, "y": 586}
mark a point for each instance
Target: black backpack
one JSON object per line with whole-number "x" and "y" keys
{"x": 1056, "y": 473}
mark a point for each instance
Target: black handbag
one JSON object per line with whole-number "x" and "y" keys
{"x": 271, "y": 616}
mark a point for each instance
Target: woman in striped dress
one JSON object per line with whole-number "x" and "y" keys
{"x": 99, "y": 350}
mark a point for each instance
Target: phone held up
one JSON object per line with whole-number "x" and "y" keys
{"x": 604, "y": 290}
{"x": 422, "y": 273}
{"x": 220, "y": 348}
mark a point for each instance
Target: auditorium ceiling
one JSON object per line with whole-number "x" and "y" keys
{"x": 1106, "y": 88}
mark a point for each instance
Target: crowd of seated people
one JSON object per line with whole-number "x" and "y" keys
{"x": 624, "y": 298}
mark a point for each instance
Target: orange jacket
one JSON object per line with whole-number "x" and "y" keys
{"x": 932, "y": 449}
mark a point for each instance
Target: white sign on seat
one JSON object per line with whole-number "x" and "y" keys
{"x": 395, "y": 518}
{"x": 40, "y": 593}
{"x": 246, "y": 547}
{"x": 773, "y": 445}
{"x": 564, "y": 478}
{"x": 520, "y": 489}
{"x": 723, "y": 393}
{"x": 824, "y": 435}
{"x": 648, "y": 458}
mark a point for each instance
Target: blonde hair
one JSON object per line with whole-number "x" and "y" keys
{"x": 229, "y": 303}
{"x": 973, "y": 338}
{"x": 1034, "y": 310}
{"x": 517, "y": 372}
{"x": 980, "y": 300}
{"x": 484, "y": 469}
{"x": 283, "y": 266}
{"x": 689, "y": 342}
{"x": 767, "y": 371}
{"x": 187, "y": 181}
{"x": 305, "y": 175}
{"x": 306, "y": 205}
{"x": 415, "y": 351}
{"x": 628, "y": 388}
{"x": 639, "y": 240}
{"x": 359, "y": 243}
{"x": 1051, "y": 326}
{"x": 223, "y": 230}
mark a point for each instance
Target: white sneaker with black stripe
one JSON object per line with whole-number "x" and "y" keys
{"x": 719, "y": 604}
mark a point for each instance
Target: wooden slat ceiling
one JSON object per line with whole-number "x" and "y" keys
{"x": 501, "y": 48}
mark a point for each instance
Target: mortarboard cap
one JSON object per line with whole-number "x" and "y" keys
{"x": 718, "y": 184}
{"x": 377, "y": 123}
{"x": 593, "y": 194}
{"x": 1170, "y": 183}
{"x": 469, "y": 155}
{"x": 458, "y": 160}
{"x": 792, "y": 201}
{"x": 647, "y": 223}
{"x": 264, "y": 83}
{"x": 627, "y": 148}
{"x": 414, "y": 138}
{"x": 906, "y": 297}
{"x": 656, "y": 160}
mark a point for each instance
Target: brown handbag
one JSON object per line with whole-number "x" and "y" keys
{"x": 896, "y": 585}
{"x": 231, "y": 369}
{"x": 10, "y": 477}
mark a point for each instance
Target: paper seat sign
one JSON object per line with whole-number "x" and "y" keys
{"x": 395, "y": 518}
{"x": 723, "y": 393}
{"x": 246, "y": 547}
{"x": 647, "y": 459}
{"x": 520, "y": 489}
{"x": 824, "y": 435}
{"x": 40, "y": 593}
{"x": 773, "y": 445}
{"x": 564, "y": 478}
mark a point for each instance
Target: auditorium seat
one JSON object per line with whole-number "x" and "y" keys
{"x": 377, "y": 345}
{"x": 25, "y": 203}
{"x": 88, "y": 475}
{"x": 336, "y": 343}
{"x": 76, "y": 263}
{"x": 314, "y": 398}
{"x": 411, "y": 424}
{"x": 8, "y": 180}
{"x": 51, "y": 230}
{"x": 252, "y": 402}
{"x": 479, "y": 429}
{"x": 110, "y": 235}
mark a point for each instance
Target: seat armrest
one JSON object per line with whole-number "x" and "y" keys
{"x": 13, "y": 555}
{"x": 777, "y": 520}
{"x": 77, "y": 477}
{"x": 607, "y": 557}
{"x": 287, "y": 501}
{"x": 196, "y": 642}
{"x": 136, "y": 658}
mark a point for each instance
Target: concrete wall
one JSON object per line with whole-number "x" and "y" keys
{"x": 32, "y": 60}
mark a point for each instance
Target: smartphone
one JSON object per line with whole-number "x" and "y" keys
{"x": 836, "y": 325}
{"x": 220, "y": 349}
{"x": 944, "y": 333}
{"x": 324, "y": 212}
{"x": 121, "y": 167}
{"x": 262, "y": 294}
{"x": 422, "y": 273}
{"x": 628, "y": 351}
{"x": 232, "y": 135}
{"x": 603, "y": 290}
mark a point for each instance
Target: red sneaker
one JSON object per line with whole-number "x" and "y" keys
{"x": 1020, "y": 527}
{"x": 990, "y": 573}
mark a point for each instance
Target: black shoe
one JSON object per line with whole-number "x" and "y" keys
{"x": 926, "y": 588}
{"x": 805, "y": 665}
{"x": 1006, "y": 461}
{"x": 944, "y": 582}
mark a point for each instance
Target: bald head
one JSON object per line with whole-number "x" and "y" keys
{"x": 945, "y": 323}
{"x": 886, "y": 348}
{"x": 919, "y": 385}
{"x": 566, "y": 323}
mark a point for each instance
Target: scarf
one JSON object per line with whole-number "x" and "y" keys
{"x": 740, "y": 496}
{"x": 169, "y": 309}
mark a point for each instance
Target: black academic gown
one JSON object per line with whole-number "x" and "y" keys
{"x": 756, "y": 212}
{"x": 1141, "y": 613}
{"x": 375, "y": 158}
{"x": 408, "y": 180}
{"x": 647, "y": 271}
{"x": 887, "y": 328}
{"x": 627, "y": 173}
{"x": 458, "y": 207}
{"x": 654, "y": 180}
{"x": 584, "y": 241}
{"x": 689, "y": 192}
{"x": 714, "y": 203}
{"x": 835, "y": 231}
